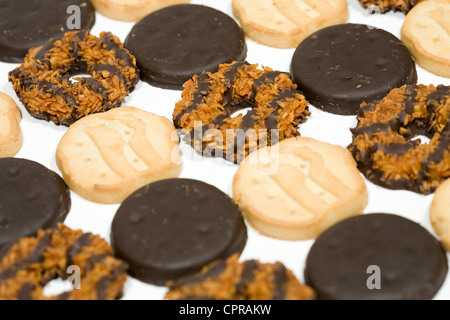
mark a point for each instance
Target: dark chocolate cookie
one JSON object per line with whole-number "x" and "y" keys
{"x": 376, "y": 256}
{"x": 31, "y": 23}
{"x": 32, "y": 197}
{"x": 172, "y": 228}
{"x": 340, "y": 67}
{"x": 175, "y": 43}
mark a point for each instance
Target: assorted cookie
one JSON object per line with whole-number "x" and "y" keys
{"x": 385, "y": 145}
{"x": 376, "y": 257}
{"x": 10, "y": 131}
{"x": 440, "y": 213}
{"x": 425, "y": 32}
{"x": 32, "y": 262}
{"x": 43, "y": 82}
{"x": 32, "y": 197}
{"x": 172, "y": 228}
{"x": 340, "y": 67}
{"x": 107, "y": 156}
{"x": 173, "y": 44}
{"x": 298, "y": 188}
{"x": 285, "y": 23}
{"x": 188, "y": 235}
{"x": 126, "y": 10}
{"x": 209, "y": 102}
{"x": 27, "y": 25}
{"x": 383, "y": 6}
{"x": 233, "y": 280}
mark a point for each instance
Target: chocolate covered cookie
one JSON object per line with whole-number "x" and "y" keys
{"x": 28, "y": 24}
{"x": 32, "y": 197}
{"x": 376, "y": 257}
{"x": 340, "y": 67}
{"x": 173, "y": 44}
{"x": 172, "y": 228}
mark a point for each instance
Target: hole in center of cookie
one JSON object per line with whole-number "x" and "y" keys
{"x": 422, "y": 139}
{"x": 78, "y": 77}
{"x": 57, "y": 286}
{"x": 243, "y": 112}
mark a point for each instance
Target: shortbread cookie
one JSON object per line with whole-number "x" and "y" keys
{"x": 426, "y": 33}
{"x": 131, "y": 10}
{"x": 32, "y": 197}
{"x": 105, "y": 157}
{"x": 10, "y": 132}
{"x": 172, "y": 228}
{"x": 30, "y": 23}
{"x": 387, "y": 5}
{"x": 376, "y": 257}
{"x": 298, "y": 188}
{"x": 173, "y": 44}
{"x": 285, "y": 23}
{"x": 233, "y": 280}
{"x": 32, "y": 262}
{"x": 340, "y": 67}
{"x": 440, "y": 213}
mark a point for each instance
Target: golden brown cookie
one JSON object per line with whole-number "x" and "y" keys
{"x": 10, "y": 132}
{"x": 105, "y": 157}
{"x": 285, "y": 23}
{"x": 233, "y": 280}
{"x": 426, "y": 33}
{"x": 440, "y": 213}
{"x": 298, "y": 188}
{"x": 31, "y": 263}
{"x": 131, "y": 10}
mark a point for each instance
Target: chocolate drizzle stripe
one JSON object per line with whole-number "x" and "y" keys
{"x": 113, "y": 71}
{"x": 247, "y": 276}
{"x": 55, "y": 90}
{"x": 104, "y": 283}
{"x": 230, "y": 78}
{"x": 77, "y": 247}
{"x": 213, "y": 273}
{"x": 200, "y": 93}
{"x": 96, "y": 87}
{"x": 34, "y": 257}
{"x": 264, "y": 81}
{"x": 279, "y": 282}
{"x": 271, "y": 121}
{"x": 121, "y": 54}
{"x": 371, "y": 129}
{"x": 25, "y": 293}
{"x": 95, "y": 259}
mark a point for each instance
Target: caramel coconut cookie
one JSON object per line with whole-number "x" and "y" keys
{"x": 10, "y": 132}
{"x": 43, "y": 81}
{"x": 285, "y": 23}
{"x": 440, "y": 213}
{"x": 383, "y": 143}
{"x": 233, "y": 280}
{"x": 209, "y": 101}
{"x": 135, "y": 10}
{"x": 28, "y": 24}
{"x": 425, "y": 32}
{"x": 31, "y": 263}
{"x": 298, "y": 188}
{"x": 105, "y": 157}
{"x": 388, "y": 5}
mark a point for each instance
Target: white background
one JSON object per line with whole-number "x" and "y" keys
{"x": 41, "y": 139}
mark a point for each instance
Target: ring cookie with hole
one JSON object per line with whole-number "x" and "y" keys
{"x": 131, "y": 10}
{"x": 10, "y": 132}
{"x": 299, "y": 187}
{"x": 107, "y": 156}
{"x": 285, "y": 23}
{"x": 440, "y": 213}
{"x": 425, "y": 32}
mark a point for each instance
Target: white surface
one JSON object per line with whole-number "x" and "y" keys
{"x": 41, "y": 139}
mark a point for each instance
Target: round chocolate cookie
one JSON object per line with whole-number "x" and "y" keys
{"x": 376, "y": 257}
{"x": 172, "y": 228}
{"x": 175, "y": 43}
{"x": 32, "y": 197}
{"x": 31, "y": 24}
{"x": 339, "y": 67}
